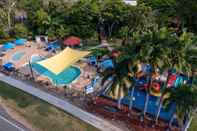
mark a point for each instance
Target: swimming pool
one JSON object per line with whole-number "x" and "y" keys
{"x": 64, "y": 78}
{"x": 36, "y": 58}
{"x": 18, "y": 55}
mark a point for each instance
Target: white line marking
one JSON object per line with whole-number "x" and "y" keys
{"x": 14, "y": 125}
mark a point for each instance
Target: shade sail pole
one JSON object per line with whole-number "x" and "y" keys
{"x": 31, "y": 70}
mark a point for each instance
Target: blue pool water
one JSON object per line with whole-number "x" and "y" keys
{"x": 65, "y": 77}
{"x": 18, "y": 55}
{"x": 36, "y": 58}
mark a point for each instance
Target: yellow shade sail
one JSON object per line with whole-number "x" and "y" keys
{"x": 63, "y": 60}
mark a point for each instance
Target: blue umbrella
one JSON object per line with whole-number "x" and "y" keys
{"x": 8, "y": 46}
{"x": 20, "y": 41}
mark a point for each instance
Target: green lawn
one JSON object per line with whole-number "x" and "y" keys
{"x": 41, "y": 115}
{"x": 193, "y": 126}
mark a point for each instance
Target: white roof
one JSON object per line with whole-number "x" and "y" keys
{"x": 131, "y": 2}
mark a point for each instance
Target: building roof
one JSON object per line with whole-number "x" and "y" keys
{"x": 131, "y": 2}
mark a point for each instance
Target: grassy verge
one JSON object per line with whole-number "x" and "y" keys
{"x": 41, "y": 115}
{"x": 193, "y": 126}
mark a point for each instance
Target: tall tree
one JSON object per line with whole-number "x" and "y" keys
{"x": 104, "y": 17}
{"x": 83, "y": 18}
{"x": 41, "y": 21}
{"x": 186, "y": 11}
{"x": 7, "y": 12}
{"x": 138, "y": 18}
{"x": 165, "y": 10}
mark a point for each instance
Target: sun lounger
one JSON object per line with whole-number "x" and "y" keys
{"x": 2, "y": 54}
{"x": 92, "y": 60}
{"x": 91, "y": 87}
{"x": 9, "y": 66}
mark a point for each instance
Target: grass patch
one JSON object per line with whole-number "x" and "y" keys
{"x": 193, "y": 126}
{"x": 20, "y": 98}
{"x": 44, "y": 109}
{"x": 41, "y": 115}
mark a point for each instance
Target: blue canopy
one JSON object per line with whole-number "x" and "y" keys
{"x": 8, "y": 46}
{"x": 8, "y": 66}
{"x": 20, "y": 41}
{"x": 139, "y": 98}
{"x": 107, "y": 64}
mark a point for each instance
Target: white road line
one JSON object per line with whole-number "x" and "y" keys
{"x": 14, "y": 125}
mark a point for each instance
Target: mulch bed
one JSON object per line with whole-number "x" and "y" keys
{"x": 132, "y": 121}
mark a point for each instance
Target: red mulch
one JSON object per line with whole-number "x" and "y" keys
{"x": 132, "y": 121}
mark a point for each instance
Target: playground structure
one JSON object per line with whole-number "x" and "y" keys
{"x": 170, "y": 79}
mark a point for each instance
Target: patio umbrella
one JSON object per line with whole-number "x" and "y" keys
{"x": 20, "y": 41}
{"x": 72, "y": 41}
{"x": 8, "y": 46}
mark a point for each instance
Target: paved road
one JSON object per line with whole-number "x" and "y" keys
{"x": 6, "y": 125}
{"x": 61, "y": 104}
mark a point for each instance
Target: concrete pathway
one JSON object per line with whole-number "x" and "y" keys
{"x": 91, "y": 119}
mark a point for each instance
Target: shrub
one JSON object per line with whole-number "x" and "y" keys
{"x": 20, "y": 30}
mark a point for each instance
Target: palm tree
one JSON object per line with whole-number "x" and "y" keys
{"x": 130, "y": 56}
{"x": 145, "y": 48}
{"x": 133, "y": 78}
{"x": 177, "y": 57}
{"x": 153, "y": 53}
{"x": 161, "y": 100}
{"x": 120, "y": 82}
{"x": 185, "y": 98}
{"x": 192, "y": 59}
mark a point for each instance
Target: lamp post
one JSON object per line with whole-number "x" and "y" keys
{"x": 31, "y": 70}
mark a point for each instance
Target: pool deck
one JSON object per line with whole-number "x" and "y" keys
{"x": 91, "y": 119}
{"x": 30, "y": 48}
{"x": 87, "y": 74}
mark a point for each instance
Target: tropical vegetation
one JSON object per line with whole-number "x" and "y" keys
{"x": 159, "y": 33}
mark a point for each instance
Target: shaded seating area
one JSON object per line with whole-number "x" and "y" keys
{"x": 59, "y": 68}
{"x": 139, "y": 98}
{"x": 20, "y": 41}
{"x": 63, "y": 60}
{"x": 72, "y": 41}
{"x": 8, "y": 46}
